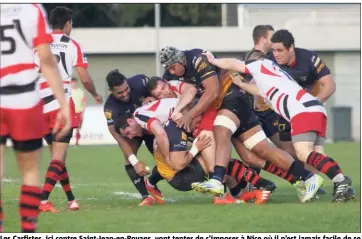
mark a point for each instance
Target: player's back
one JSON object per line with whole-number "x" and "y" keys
{"x": 23, "y": 27}
{"x": 159, "y": 109}
{"x": 281, "y": 91}
{"x": 68, "y": 54}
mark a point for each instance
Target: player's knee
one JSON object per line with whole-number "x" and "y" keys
{"x": 59, "y": 151}
{"x": 302, "y": 150}
{"x": 224, "y": 124}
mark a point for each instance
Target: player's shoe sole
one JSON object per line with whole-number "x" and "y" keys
{"x": 209, "y": 187}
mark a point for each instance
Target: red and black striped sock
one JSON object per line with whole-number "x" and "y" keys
{"x": 241, "y": 172}
{"x": 54, "y": 171}
{"x": 324, "y": 164}
{"x": 64, "y": 181}
{"x": 29, "y": 208}
{"x": 1, "y": 217}
{"x": 287, "y": 175}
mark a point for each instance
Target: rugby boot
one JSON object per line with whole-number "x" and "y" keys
{"x": 155, "y": 192}
{"x": 343, "y": 191}
{"x": 47, "y": 207}
{"x": 147, "y": 201}
{"x": 212, "y": 186}
{"x": 73, "y": 205}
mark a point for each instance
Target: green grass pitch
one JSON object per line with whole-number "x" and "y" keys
{"x": 109, "y": 201}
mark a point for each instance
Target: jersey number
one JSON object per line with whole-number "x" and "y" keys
{"x": 9, "y": 39}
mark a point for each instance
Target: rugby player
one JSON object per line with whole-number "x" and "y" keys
{"x": 307, "y": 69}
{"x": 234, "y": 113}
{"x": 69, "y": 56}
{"x": 79, "y": 100}
{"x": 126, "y": 94}
{"x": 180, "y": 167}
{"x": 24, "y": 28}
{"x": 306, "y": 114}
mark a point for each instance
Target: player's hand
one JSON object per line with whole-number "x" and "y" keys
{"x": 98, "y": 99}
{"x": 148, "y": 99}
{"x": 236, "y": 78}
{"x": 176, "y": 116}
{"x": 210, "y": 56}
{"x": 203, "y": 142}
{"x": 63, "y": 122}
{"x": 141, "y": 169}
{"x": 185, "y": 122}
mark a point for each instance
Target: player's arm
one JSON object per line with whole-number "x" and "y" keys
{"x": 227, "y": 63}
{"x": 325, "y": 79}
{"x": 210, "y": 82}
{"x": 188, "y": 93}
{"x": 81, "y": 64}
{"x": 180, "y": 158}
{"x": 248, "y": 87}
{"x": 161, "y": 138}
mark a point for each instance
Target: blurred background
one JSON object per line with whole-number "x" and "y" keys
{"x": 128, "y": 36}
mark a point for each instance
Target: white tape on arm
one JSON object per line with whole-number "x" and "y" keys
{"x": 133, "y": 159}
{"x": 194, "y": 151}
{"x": 254, "y": 140}
{"x": 226, "y": 122}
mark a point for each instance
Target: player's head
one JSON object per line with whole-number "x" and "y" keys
{"x": 159, "y": 88}
{"x": 262, "y": 35}
{"x": 127, "y": 126}
{"x": 173, "y": 60}
{"x": 60, "y": 18}
{"x": 74, "y": 83}
{"x": 283, "y": 46}
{"x": 117, "y": 85}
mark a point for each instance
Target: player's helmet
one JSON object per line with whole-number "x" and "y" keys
{"x": 171, "y": 55}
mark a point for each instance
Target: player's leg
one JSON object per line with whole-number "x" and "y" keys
{"x": 242, "y": 173}
{"x": 304, "y": 145}
{"x": 137, "y": 180}
{"x": 255, "y": 140}
{"x": 27, "y": 143}
{"x": 58, "y": 171}
{"x": 2, "y": 171}
{"x": 225, "y": 125}
{"x": 208, "y": 154}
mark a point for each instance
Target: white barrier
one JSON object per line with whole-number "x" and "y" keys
{"x": 94, "y": 129}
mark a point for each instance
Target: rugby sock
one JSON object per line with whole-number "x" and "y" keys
{"x": 64, "y": 181}
{"x": 155, "y": 177}
{"x": 29, "y": 208}
{"x": 1, "y": 216}
{"x": 53, "y": 174}
{"x": 326, "y": 165}
{"x": 77, "y": 137}
{"x": 137, "y": 180}
{"x": 297, "y": 169}
{"x": 219, "y": 173}
{"x": 236, "y": 191}
{"x": 287, "y": 175}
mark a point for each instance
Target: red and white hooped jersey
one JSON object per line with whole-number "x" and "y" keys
{"x": 280, "y": 90}
{"x": 23, "y": 27}
{"x": 68, "y": 54}
{"x": 160, "y": 110}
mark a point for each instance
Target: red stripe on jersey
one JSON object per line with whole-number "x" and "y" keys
{"x": 247, "y": 70}
{"x": 149, "y": 122}
{"x": 180, "y": 87}
{"x": 42, "y": 37}
{"x": 154, "y": 106}
{"x": 173, "y": 88}
{"x": 80, "y": 57}
{"x": 278, "y": 102}
{"x": 300, "y": 94}
{"x": 45, "y": 84}
{"x": 13, "y": 69}
{"x": 270, "y": 91}
{"x": 264, "y": 70}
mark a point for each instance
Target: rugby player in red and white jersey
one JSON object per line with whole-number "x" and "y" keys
{"x": 24, "y": 28}
{"x": 306, "y": 114}
{"x": 69, "y": 56}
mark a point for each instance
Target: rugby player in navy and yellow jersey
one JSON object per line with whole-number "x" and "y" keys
{"x": 126, "y": 94}
{"x": 307, "y": 68}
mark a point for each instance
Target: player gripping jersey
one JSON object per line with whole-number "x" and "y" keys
{"x": 306, "y": 114}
